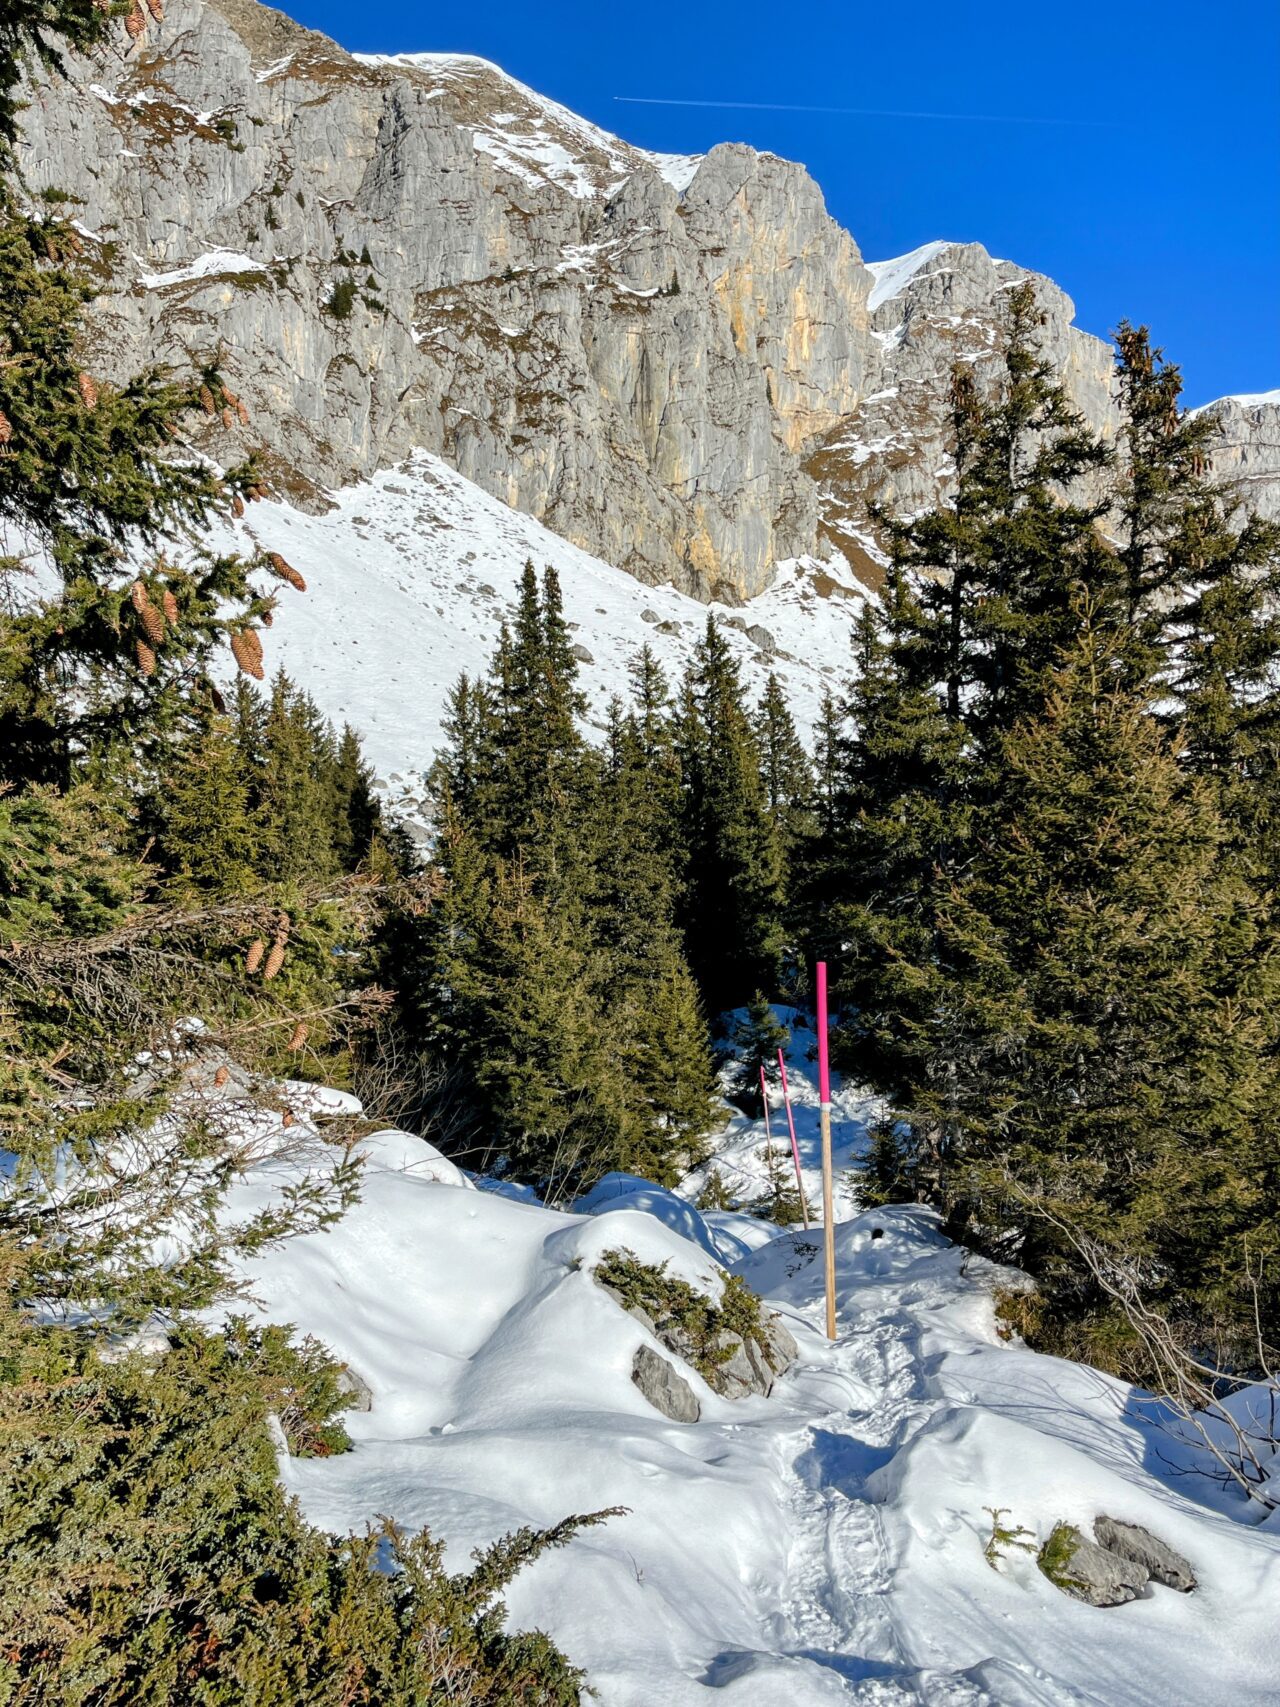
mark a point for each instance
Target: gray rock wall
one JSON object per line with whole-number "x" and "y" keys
{"x": 672, "y": 363}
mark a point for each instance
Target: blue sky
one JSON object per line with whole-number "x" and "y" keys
{"x": 1158, "y": 199}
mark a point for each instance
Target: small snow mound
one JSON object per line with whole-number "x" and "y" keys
{"x": 627, "y": 1191}
{"x": 396, "y": 1152}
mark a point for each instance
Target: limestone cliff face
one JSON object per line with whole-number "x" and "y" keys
{"x": 1248, "y": 457}
{"x": 930, "y": 310}
{"x": 681, "y": 364}
{"x": 635, "y": 350}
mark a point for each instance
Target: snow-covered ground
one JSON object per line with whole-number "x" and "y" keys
{"x": 411, "y": 573}
{"x": 823, "y": 1545}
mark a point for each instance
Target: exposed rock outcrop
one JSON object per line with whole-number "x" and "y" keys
{"x": 664, "y": 1387}
{"x": 1116, "y": 1566}
{"x": 1248, "y": 453}
{"x": 1131, "y": 1541}
{"x": 681, "y": 364}
{"x": 1087, "y": 1572}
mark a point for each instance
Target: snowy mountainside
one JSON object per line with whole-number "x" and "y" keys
{"x": 823, "y": 1545}
{"x": 410, "y": 574}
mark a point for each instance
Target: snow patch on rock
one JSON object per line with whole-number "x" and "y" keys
{"x": 893, "y": 276}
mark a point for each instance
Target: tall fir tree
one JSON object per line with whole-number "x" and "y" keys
{"x": 540, "y": 759}
{"x": 786, "y": 774}
{"x": 552, "y": 1086}
{"x": 758, "y": 1037}
{"x": 1102, "y": 1071}
{"x": 649, "y": 1001}
{"x": 209, "y": 836}
{"x": 357, "y": 817}
{"x": 902, "y": 833}
{"x": 557, "y": 863}
{"x": 297, "y": 799}
{"x": 1203, "y": 590}
{"x": 732, "y": 902}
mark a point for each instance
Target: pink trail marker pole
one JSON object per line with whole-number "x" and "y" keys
{"x": 824, "y": 1116}
{"x": 795, "y": 1148}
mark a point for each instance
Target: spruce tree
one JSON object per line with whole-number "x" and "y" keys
{"x": 1203, "y": 590}
{"x": 786, "y": 774}
{"x": 648, "y": 998}
{"x": 758, "y": 1038}
{"x": 557, "y": 864}
{"x": 732, "y": 902}
{"x": 208, "y": 835}
{"x": 552, "y": 1086}
{"x": 1102, "y": 1070}
{"x": 996, "y": 569}
{"x": 100, "y": 684}
{"x": 88, "y": 468}
{"x": 356, "y": 814}
{"x": 903, "y": 816}
{"x": 466, "y": 769}
{"x": 297, "y": 801}
{"x": 539, "y": 750}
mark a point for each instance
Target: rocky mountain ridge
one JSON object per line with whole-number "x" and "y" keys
{"x": 682, "y": 365}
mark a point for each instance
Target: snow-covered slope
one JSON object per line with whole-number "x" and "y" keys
{"x": 411, "y": 573}
{"x": 823, "y": 1545}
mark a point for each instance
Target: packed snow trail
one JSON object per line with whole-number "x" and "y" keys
{"x": 823, "y": 1545}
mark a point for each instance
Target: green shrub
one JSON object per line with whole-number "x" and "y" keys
{"x": 342, "y": 299}
{"x": 1054, "y": 1558}
{"x": 1003, "y": 1536}
{"x": 715, "y": 1194}
{"x": 671, "y": 1302}
{"x": 301, "y": 1384}
{"x": 148, "y": 1553}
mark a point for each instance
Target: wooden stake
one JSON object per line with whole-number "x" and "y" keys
{"x": 828, "y": 1191}
{"x": 795, "y": 1148}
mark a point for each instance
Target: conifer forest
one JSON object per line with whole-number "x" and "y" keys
{"x": 1033, "y": 833}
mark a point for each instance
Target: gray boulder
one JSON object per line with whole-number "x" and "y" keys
{"x": 752, "y": 1365}
{"x": 744, "y": 1366}
{"x": 664, "y": 1387}
{"x": 357, "y": 1390}
{"x": 779, "y": 1345}
{"x": 1130, "y": 1541}
{"x": 763, "y": 639}
{"x": 1087, "y": 1572}
{"x": 736, "y": 1374}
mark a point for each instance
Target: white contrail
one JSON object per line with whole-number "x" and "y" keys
{"x": 856, "y": 112}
